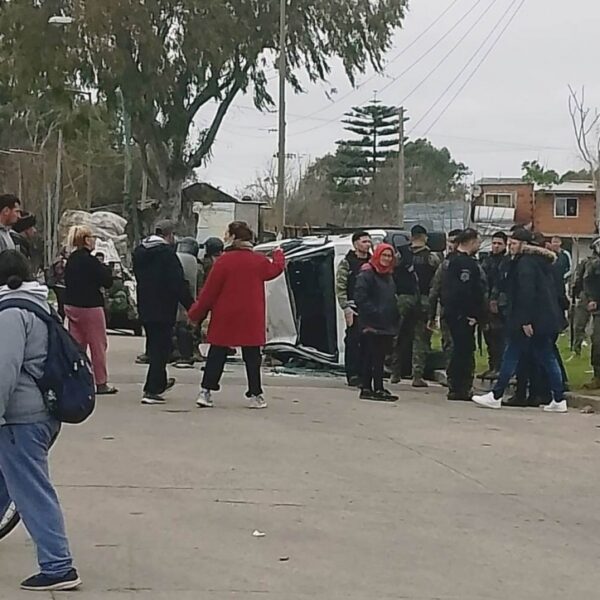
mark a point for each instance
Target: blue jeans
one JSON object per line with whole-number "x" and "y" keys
{"x": 24, "y": 478}
{"x": 543, "y": 351}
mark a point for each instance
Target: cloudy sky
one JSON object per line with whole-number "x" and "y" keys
{"x": 512, "y": 106}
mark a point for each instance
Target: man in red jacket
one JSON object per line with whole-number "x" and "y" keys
{"x": 234, "y": 295}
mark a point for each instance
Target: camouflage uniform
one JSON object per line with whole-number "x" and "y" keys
{"x": 581, "y": 315}
{"x": 435, "y": 296}
{"x": 591, "y": 290}
{"x": 345, "y": 282}
{"x": 414, "y": 311}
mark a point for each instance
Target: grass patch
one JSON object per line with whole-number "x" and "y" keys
{"x": 578, "y": 367}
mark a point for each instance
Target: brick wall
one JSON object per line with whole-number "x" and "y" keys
{"x": 524, "y": 199}
{"x": 583, "y": 224}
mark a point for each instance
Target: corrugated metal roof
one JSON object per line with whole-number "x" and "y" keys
{"x": 440, "y": 216}
{"x": 500, "y": 181}
{"x": 568, "y": 187}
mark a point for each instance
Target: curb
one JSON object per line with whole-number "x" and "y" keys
{"x": 574, "y": 399}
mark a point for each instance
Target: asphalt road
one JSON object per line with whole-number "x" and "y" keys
{"x": 421, "y": 500}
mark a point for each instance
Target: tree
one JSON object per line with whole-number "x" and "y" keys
{"x": 377, "y": 127}
{"x": 432, "y": 176}
{"x": 586, "y": 125}
{"x": 581, "y": 175}
{"x": 533, "y": 172}
{"x": 181, "y": 63}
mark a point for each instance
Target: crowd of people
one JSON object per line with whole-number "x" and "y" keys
{"x": 392, "y": 298}
{"x": 515, "y": 296}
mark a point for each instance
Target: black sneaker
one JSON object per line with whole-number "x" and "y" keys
{"x": 142, "y": 359}
{"x": 46, "y": 583}
{"x": 367, "y": 395}
{"x": 385, "y": 396}
{"x": 151, "y": 399}
{"x": 354, "y": 382}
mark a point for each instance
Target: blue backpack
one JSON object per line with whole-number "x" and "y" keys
{"x": 67, "y": 384}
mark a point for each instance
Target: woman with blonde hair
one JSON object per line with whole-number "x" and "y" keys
{"x": 85, "y": 276}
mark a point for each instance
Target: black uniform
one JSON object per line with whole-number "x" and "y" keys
{"x": 463, "y": 298}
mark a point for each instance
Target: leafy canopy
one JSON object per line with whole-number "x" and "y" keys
{"x": 173, "y": 58}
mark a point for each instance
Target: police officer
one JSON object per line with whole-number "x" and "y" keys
{"x": 435, "y": 295}
{"x": 463, "y": 302}
{"x": 413, "y": 276}
{"x": 346, "y": 276}
{"x": 494, "y": 267}
{"x": 581, "y": 315}
{"x": 591, "y": 289}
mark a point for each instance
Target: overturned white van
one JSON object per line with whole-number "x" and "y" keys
{"x": 304, "y": 319}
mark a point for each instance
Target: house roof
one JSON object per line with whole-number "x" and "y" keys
{"x": 205, "y": 193}
{"x": 500, "y": 181}
{"x": 568, "y": 187}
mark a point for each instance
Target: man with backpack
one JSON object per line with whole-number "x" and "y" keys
{"x": 161, "y": 288}
{"x": 34, "y": 390}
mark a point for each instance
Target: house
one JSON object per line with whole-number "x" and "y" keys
{"x": 566, "y": 209}
{"x": 215, "y": 209}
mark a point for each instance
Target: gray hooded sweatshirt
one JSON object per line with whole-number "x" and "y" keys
{"x": 23, "y": 351}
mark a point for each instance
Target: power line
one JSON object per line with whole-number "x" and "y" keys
{"x": 448, "y": 54}
{"x": 392, "y": 60}
{"x": 466, "y": 65}
{"x": 478, "y": 66}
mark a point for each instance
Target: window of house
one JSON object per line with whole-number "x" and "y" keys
{"x": 566, "y": 207}
{"x": 501, "y": 200}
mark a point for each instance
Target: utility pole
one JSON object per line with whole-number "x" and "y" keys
{"x": 57, "y": 193}
{"x": 281, "y": 200}
{"x": 401, "y": 171}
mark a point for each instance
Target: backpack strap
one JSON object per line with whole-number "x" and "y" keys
{"x": 28, "y": 305}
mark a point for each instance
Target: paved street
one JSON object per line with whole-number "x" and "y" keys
{"x": 423, "y": 500}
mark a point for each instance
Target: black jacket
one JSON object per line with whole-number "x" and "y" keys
{"x": 533, "y": 293}
{"x": 463, "y": 288}
{"x": 375, "y": 297}
{"x": 161, "y": 285}
{"x": 85, "y": 276}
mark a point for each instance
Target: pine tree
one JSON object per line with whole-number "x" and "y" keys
{"x": 361, "y": 159}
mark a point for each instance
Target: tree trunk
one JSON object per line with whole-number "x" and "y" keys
{"x": 174, "y": 208}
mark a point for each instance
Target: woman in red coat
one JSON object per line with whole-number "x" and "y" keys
{"x": 234, "y": 295}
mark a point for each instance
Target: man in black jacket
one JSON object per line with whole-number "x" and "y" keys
{"x": 533, "y": 321}
{"x": 161, "y": 287}
{"x": 463, "y": 303}
{"x": 494, "y": 267}
{"x": 345, "y": 285}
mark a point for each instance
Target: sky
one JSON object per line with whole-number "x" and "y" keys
{"x": 493, "y": 112}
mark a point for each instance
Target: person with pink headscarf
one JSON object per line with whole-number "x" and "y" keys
{"x": 375, "y": 297}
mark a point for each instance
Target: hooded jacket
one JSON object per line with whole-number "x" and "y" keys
{"x": 23, "y": 352}
{"x": 161, "y": 285}
{"x": 532, "y": 293}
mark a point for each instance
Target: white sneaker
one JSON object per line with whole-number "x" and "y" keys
{"x": 205, "y": 399}
{"x": 151, "y": 399}
{"x": 257, "y": 403}
{"x": 557, "y": 407}
{"x": 488, "y": 401}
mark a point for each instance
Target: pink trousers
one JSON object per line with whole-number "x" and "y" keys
{"x": 88, "y": 327}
